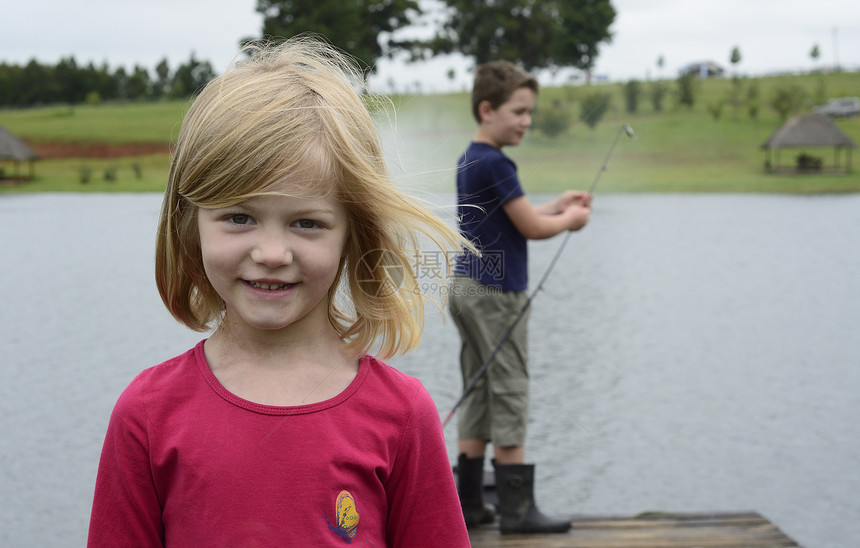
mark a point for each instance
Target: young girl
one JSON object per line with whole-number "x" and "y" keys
{"x": 281, "y": 231}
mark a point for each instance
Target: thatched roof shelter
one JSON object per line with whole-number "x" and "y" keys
{"x": 12, "y": 148}
{"x": 809, "y": 131}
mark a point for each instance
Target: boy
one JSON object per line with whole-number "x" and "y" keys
{"x": 488, "y": 291}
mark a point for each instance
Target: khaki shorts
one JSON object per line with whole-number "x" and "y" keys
{"x": 497, "y": 408}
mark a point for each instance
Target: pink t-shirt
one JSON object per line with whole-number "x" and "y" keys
{"x": 187, "y": 463}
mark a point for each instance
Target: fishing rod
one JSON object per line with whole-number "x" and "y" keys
{"x": 625, "y": 129}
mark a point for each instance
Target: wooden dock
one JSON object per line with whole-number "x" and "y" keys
{"x": 650, "y": 530}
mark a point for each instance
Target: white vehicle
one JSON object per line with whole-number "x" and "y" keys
{"x": 840, "y": 107}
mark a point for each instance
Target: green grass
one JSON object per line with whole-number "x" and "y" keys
{"x": 672, "y": 152}
{"x": 109, "y": 123}
{"x": 676, "y": 150}
{"x": 66, "y": 175}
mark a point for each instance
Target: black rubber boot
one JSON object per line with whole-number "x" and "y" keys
{"x": 470, "y": 486}
{"x": 515, "y": 486}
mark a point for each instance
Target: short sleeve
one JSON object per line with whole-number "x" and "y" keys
{"x": 126, "y": 510}
{"x": 424, "y": 506}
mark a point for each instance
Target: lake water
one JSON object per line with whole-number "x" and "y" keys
{"x": 688, "y": 353}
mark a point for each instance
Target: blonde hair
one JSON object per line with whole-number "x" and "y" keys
{"x": 292, "y": 108}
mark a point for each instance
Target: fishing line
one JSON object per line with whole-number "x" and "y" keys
{"x": 625, "y": 129}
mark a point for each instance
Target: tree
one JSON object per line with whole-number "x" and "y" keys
{"x": 68, "y": 80}
{"x": 532, "y": 33}
{"x": 632, "y": 90}
{"x": 33, "y": 79}
{"x": 162, "y": 81}
{"x": 97, "y": 82}
{"x": 552, "y": 120}
{"x": 102, "y": 81}
{"x": 815, "y": 53}
{"x": 787, "y": 99}
{"x": 686, "y": 90}
{"x": 120, "y": 79}
{"x": 752, "y": 100}
{"x": 593, "y": 107}
{"x": 737, "y": 84}
{"x": 360, "y": 27}
{"x": 584, "y": 26}
{"x": 37, "y": 84}
{"x": 735, "y": 56}
{"x": 658, "y": 91}
{"x": 189, "y": 78}
{"x": 138, "y": 84}
{"x": 821, "y": 86}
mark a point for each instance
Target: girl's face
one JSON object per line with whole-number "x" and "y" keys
{"x": 506, "y": 125}
{"x": 272, "y": 259}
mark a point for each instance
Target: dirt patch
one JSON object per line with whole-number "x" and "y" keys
{"x": 47, "y": 151}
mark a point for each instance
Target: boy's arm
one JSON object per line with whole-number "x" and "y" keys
{"x": 535, "y": 224}
{"x": 563, "y": 200}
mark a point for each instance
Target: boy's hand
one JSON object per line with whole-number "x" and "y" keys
{"x": 569, "y": 197}
{"x": 577, "y": 215}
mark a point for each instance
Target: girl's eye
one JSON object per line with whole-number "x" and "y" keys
{"x": 239, "y": 219}
{"x": 306, "y": 223}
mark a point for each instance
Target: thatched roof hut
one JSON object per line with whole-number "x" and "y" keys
{"x": 809, "y": 131}
{"x": 12, "y": 148}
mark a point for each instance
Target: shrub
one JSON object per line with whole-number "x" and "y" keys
{"x": 752, "y": 100}
{"x": 787, "y": 100}
{"x": 752, "y": 110}
{"x": 687, "y": 90}
{"x": 110, "y": 173}
{"x": 658, "y": 94}
{"x": 716, "y": 110}
{"x": 593, "y": 107}
{"x": 84, "y": 174}
{"x": 632, "y": 91}
{"x": 552, "y": 120}
{"x": 735, "y": 95}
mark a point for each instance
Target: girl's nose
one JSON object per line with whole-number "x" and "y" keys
{"x": 272, "y": 250}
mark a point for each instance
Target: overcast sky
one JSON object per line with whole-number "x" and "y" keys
{"x": 772, "y": 35}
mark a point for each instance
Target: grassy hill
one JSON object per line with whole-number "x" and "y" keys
{"x": 678, "y": 149}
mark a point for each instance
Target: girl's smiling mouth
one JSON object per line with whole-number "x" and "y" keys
{"x": 269, "y": 286}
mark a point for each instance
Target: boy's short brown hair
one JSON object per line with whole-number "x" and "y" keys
{"x": 496, "y": 82}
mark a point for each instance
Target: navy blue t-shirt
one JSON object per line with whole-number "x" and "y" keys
{"x": 486, "y": 180}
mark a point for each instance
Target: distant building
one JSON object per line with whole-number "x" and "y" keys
{"x": 802, "y": 133}
{"x": 12, "y": 148}
{"x": 702, "y": 69}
